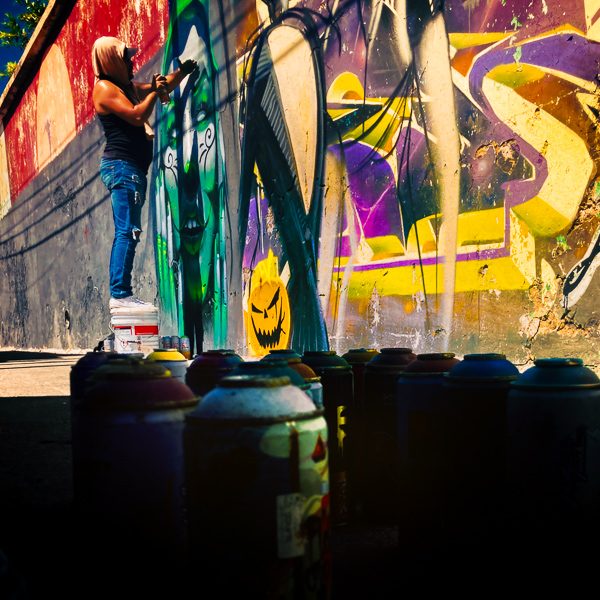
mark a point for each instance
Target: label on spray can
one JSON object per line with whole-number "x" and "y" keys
{"x": 175, "y": 342}
{"x": 184, "y": 346}
{"x": 290, "y": 537}
{"x": 165, "y": 341}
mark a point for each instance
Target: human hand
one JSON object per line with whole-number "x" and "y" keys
{"x": 188, "y": 66}
{"x": 159, "y": 83}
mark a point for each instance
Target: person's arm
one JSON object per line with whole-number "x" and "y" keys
{"x": 171, "y": 81}
{"x": 109, "y": 98}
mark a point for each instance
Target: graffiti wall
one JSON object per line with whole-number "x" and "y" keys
{"x": 55, "y": 218}
{"x": 355, "y": 172}
{"x": 431, "y": 182}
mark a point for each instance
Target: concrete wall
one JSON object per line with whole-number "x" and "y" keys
{"x": 335, "y": 175}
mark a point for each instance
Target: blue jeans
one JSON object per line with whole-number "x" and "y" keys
{"x": 126, "y": 183}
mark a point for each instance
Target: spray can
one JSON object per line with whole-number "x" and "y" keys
{"x": 175, "y": 342}
{"x": 477, "y": 390}
{"x": 358, "y": 358}
{"x": 80, "y": 373}
{"x": 424, "y": 471}
{"x": 272, "y": 368}
{"x": 184, "y": 347}
{"x": 294, "y": 361}
{"x": 380, "y": 423}
{"x": 172, "y": 359}
{"x": 255, "y": 454}
{"x": 553, "y": 459}
{"x": 128, "y": 457}
{"x": 208, "y": 368}
{"x": 338, "y": 398}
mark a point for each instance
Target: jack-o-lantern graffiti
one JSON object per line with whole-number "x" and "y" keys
{"x": 268, "y": 316}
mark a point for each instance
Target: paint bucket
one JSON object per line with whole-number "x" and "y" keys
{"x": 171, "y": 359}
{"x": 255, "y": 455}
{"x": 135, "y": 332}
{"x": 128, "y": 458}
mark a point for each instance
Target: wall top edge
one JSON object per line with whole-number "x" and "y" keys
{"x": 37, "y": 45}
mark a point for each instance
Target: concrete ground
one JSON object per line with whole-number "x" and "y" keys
{"x": 44, "y": 553}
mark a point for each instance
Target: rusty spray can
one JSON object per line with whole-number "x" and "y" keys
{"x": 338, "y": 398}
{"x": 255, "y": 452}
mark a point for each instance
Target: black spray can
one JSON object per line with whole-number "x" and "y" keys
{"x": 553, "y": 460}
{"x": 208, "y": 368}
{"x": 423, "y": 457}
{"x": 358, "y": 358}
{"x": 380, "y": 422}
{"x": 477, "y": 390}
{"x": 338, "y": 399}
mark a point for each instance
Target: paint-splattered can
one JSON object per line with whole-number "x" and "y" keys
{"x": 171, "y": 359}
{"x": 423, "y": 457}
{"x": 338, "y": 398}
{"x": 255, "y": 455}
{"x": 128, "y": 457}
{"x": 553, "y": 456}
{"x": 209, "y": 367}
{"x": 380, "y": 422}
{"x": 477, "y": 390}
{"x": 184, "y": 346}
{"x": 109, "y": 344}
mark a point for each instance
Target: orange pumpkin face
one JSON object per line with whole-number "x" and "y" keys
{"x": 268, "y": 316}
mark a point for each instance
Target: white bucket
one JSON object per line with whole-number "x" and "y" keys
{"x": 135, "y": 332}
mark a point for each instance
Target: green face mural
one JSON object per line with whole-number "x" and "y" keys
{"x": 189, "y": 188}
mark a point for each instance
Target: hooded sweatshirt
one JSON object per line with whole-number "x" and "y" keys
{"x": 123, "y": 140}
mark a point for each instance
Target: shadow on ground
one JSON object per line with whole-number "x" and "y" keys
{"x": 16, "y": 355}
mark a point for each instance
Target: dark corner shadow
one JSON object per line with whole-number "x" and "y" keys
{"x": 10, "y": 355}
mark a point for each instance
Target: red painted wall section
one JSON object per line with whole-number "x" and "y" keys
{"x": 19, "y": 135}
{"x": 42, "y": 124}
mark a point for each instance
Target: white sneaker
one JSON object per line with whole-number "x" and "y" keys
{"x": 130, "y": 304}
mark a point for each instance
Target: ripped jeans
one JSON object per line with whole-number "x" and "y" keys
{"x": 126, "y": 183}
